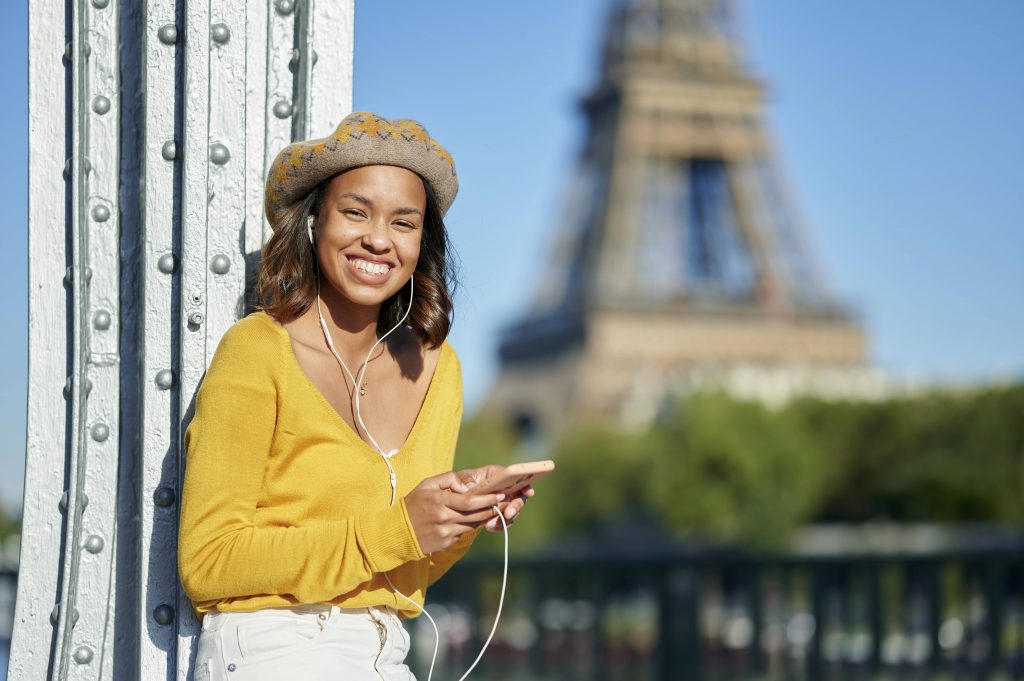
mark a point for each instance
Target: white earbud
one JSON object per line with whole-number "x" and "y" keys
{"x": 309, "y": 227}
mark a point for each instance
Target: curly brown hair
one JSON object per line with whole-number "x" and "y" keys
{"x": 287, "y": 274}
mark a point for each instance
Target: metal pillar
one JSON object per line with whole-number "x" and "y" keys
{"x": 151, "y": 129}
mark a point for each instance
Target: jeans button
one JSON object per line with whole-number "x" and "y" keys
{"x": 322, "y": 616}
{"x": 231, "y": 667}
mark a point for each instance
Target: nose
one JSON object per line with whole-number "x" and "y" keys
{"x": 377, "y": 236}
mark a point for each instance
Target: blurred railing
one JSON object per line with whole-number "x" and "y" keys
{"x": 8, "y": 588}
{"x": 724, "y": 615}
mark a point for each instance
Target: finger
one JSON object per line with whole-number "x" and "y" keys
{"x": 443, "y": 481}
{"x": 464, "y": 502}
{"x": 513, "y": 509}
{"x": 475, "y": 516}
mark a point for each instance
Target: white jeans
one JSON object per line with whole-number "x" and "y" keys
{"x": 303, "y": 643}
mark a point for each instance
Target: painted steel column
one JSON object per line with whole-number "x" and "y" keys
{"x": 142, "y": 251}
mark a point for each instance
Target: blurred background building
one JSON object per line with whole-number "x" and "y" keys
{"x": 680, "y": 262}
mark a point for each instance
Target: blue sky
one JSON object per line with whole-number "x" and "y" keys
{"x": 899, "y": 125}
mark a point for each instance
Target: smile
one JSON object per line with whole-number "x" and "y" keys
{"x": 375, "y": 269}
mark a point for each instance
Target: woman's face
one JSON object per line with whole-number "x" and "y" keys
{"x": 368, "y": 232}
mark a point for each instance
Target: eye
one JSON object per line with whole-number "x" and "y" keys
{"x": 405, "y": 224}
{"x": 352, "y": 212}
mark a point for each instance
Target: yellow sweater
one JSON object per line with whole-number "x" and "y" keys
{"x": 284, "y": 504}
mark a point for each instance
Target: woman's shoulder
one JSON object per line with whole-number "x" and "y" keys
{"x": 256, "y": 333}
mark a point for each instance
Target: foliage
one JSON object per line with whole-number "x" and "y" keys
{"x": 715, "y": 468}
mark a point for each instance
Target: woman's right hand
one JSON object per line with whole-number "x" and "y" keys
{"x": 441, "y": 511}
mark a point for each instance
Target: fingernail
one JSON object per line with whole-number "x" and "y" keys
{"x": 510, "y": 513}
{"x": 501, "y": 497}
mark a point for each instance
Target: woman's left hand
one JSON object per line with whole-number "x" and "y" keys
{"x": 510, "y": 508}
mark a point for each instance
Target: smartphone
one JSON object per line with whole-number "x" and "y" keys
{"x": 514, "y": 478}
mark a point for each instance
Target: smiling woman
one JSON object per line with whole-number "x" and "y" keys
{"x": 304, "y": 536}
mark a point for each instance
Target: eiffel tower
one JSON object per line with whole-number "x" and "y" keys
{"x": 678, "y": 250}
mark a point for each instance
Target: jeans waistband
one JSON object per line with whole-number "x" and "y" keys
{"x": 302, "y": 609}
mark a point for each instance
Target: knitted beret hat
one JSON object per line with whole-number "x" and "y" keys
{"x": 361, "y": 139}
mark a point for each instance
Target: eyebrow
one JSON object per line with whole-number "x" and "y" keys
{"x": 367, "y": 202}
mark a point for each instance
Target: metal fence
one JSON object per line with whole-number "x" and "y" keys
{"x": 733, "y": 616}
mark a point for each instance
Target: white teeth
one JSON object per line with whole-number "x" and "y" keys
{"x": 372, "y": 267}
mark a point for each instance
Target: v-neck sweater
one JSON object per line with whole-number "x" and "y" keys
{"x": 283, "y": 503}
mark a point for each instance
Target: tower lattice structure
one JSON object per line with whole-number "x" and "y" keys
{"x": 678, "y": 251}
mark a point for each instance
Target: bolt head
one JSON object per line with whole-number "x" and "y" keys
{"x": 282, "y": 109}
{"x": 101, "y": 104}
{"x": 165, "y": 379}
{"x": 94, "y": 544}
{"x": 169, "y": 150}
{"x": 100, "y": 432}
{"x": 219, "y": 153}
{"x": 100, "y": 213}
{"x": 83, "y": 654}
{"x": 168, "y": 34}
{"x": 220, "y": 33}
{"x": 101, "y": 320}
{"x": 196, "y": 318}
{"x": 220, "y": 264}
{"x": 166, "y": 263}
{"x": 100, "y": 4}
{"x": 163, "y": 614}
{"x": 284, "y": 7}
{"x": 164, "y": 496}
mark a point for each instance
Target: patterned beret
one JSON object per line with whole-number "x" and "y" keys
{"x": 361, "y": 139}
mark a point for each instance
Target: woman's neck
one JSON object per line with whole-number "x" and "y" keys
{"x": 353, "y": 327}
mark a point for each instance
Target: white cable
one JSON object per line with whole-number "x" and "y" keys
{"x": 497, "y": 615}
{"x": 393, "y": 478}
{"x": 362, "y": 372}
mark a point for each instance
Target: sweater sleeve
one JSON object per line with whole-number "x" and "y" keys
{"x": 442, "y": 561}
{"x": 221, "y": 553}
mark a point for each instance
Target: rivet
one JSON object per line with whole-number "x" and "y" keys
{"x": 166, "y": 263}
{"x": 220, "y": 264}
{"x": 293, "y": 63}
{"x": 67, "y": 50}
{"x": 69, "y": 277}
{"x": 68, "y": 385}
{"x": 64, "y": 500}
{"x": 55, "y": 614}
{"x": 219, "y": 154}
{"x": 83, "y": 654}
{"x": 165, "y": 379}
{"x": 100, "y": 432}
{"x": 315, "y": 57}
{"x": 168, "y": 34}
{"x": 282, "y": 109}
{"x": 163, "y": 496}
{"x": 163, "y": 614}
{"x": 94, "y": 544}
{"x": 101, "y": 320}
{"x": 101, "y": 104}
{"x": 220, "y": 33}
{"x": 86, "y": 50}
{"x": 88, "y": 277}
{"x": 86, "y": 164}
{"x": 67, "y": 168}
{"x": 196, "y": 297}
{"x": 284, "y": 7}
{"x": 231, "y": 667}
{"x": 100, "y": 4}
{"x": 87, "y": 385}
{"x": 100, "y": 213}
{"x": 169, "y": 151}
{"x": 196, "y": 318}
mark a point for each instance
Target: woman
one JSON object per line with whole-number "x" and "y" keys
{"x": 319, "y": 501}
